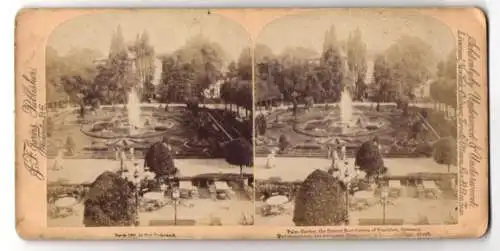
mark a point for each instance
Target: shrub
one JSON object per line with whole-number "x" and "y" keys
{"x": 445, "y": 152}
{"x": 239, "y": 152}
{"x": 320, "y": 201}
{"x": 369, "y": 159}
{"x": 110, "y": 202}
{"x": 159, "y": 159}
{"x": 283, "y": 142}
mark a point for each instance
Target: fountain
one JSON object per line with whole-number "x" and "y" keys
{"x": 133, "y": 122}
{"x": 344, "y": 121}
{"x": 345, "y": 106}
{"x": 134, "y": 112}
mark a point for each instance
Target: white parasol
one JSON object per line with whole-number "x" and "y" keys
{"x": 66, "y": 202}
{"x": 154, "y": 196}
{"x": 277, "y": 200}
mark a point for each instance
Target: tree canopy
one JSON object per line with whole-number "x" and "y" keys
{"x": 369, "y": 159}
{"x": 144, "y": 56}
{"x": 239, "y": 152}
{"x": 159, "y": 159}
{"x": 356, "y": 61}
{"x": 445, "y": 151}
{"x": 445, "y": 84}
{"x": 405, "y": 66}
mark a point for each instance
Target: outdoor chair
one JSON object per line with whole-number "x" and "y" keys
{"x": 420, "y": 191}
{"x": 431, "y": 190}
{"x": 395, "y": 188}
{"x": 64, "y": 207}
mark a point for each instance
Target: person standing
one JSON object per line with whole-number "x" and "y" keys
{"x": 59, "y": 161}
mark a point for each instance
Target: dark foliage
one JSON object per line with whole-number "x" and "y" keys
{"x": 369, "y": 159}
{"x": 110, "y": 202}
{"x": 283, "y": 142}
{"x": 159, "y": 159}
{"x": 49, "y": 123}
{"x": 424, "y": 149}
{"x": 261, "y": 124}
{"x": 239, "y": 152}
{"x": 320, "y": 201}
{"x": 445, "y": 152}
{"x": 417, "y": 128}
{"x": 424, "y": 113}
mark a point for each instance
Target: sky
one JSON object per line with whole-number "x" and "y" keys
{"x": 167, "y": 32}
{"x": 379, "y": 30}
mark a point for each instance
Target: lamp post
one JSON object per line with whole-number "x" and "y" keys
{"x": 384, "y": 194}
{"x": 136, "y": 179}
{"x": 347, "y": 183}
{"x": 121, "y": 156}
{"x": 348, "y": 178}
{"x": 175, "y": 197}
{"x": 137, "y": 184}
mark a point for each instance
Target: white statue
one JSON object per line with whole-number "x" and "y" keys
{"x": 270, "y": 163}
{"x": 343, "y": 153}
{"x": 335, "y": 159}
{"x": 132, "y": 156}
{"x": 59, "y": 161}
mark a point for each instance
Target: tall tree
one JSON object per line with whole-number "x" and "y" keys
{"x": 263, "y": 53}
{"x": 117, "y": 76}
{"x": 117, "y": 48}
{"x": 333, "y": 73}
{"x": 411, "y": 61}
{"x": 244, "y": 67}
{"x": 384, "y": 88}
{"x": 443, "y": 89}
{"x": 330, "y": 40}
{"x": 356, "y": 61}
{"x": 144, "y": 56}
{"x": 299, "y": 54}
{"x": 70, "y": 75}
{"x": 205, "y": 58}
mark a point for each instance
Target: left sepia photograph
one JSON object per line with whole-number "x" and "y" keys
{"x": 149, "y": 121}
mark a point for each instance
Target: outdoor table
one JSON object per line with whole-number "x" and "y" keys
{"x": 363, "y": 199}
{"x": 64, "y": 206}
{"x": 66, "y": 202}
{"x": 395, "y": 187}
{"x": 221, "y": 186}
{"x": 186, "y": 188}
{"x": 156, "y": 199}
{"x": 430, "y": 187}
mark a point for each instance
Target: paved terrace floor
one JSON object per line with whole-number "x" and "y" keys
{"x": 294, "y": 169}
{"x": 79, "y": 171}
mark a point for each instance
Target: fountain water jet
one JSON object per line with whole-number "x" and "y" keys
{"x": 346, "y": 111}
{"x": 134, "y": 111}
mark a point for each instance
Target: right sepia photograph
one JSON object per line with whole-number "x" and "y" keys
{"x": 355, "y": 120}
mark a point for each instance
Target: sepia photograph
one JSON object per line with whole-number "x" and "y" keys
{"x": 278, "y": 123}
{"x": 149, "y": 120}
{"x": 355, "y": 120}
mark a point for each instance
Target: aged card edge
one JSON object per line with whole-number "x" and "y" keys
{"x": 23, "y": 227}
